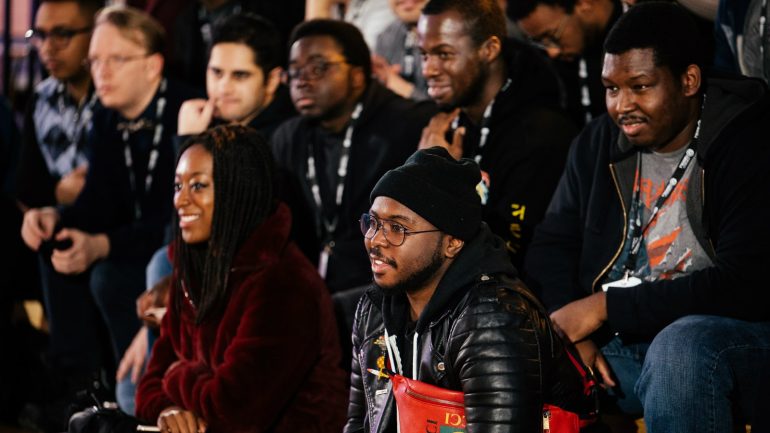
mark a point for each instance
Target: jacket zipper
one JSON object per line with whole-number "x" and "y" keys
{"x": 625, "y": 229}
{"x": 424, "y": 397}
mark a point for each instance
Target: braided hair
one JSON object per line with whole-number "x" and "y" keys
{"x": 243, "y": 177}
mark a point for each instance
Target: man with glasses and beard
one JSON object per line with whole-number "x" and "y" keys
{"x": 503, "y": 110}
{"x": 447, "y": 307}
{"x": 349, "y": 132}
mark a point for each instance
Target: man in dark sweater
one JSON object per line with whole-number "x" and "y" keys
{"x": 350, "y": 131}
{"x": 93, "y": 253}
{"x": 505, "y": 113}
{"x": 652, "y": 253}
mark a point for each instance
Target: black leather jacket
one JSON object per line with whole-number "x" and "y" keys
{"x": 481, "y": 332}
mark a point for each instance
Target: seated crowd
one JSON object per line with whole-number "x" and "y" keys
{"x": 569, "y": 218}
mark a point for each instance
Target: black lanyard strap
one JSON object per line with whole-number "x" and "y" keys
{"x": 639, "y": 231}
{"x": 485, "y": 121}
{"x": 128, "y": 128}
{"x": 342, "y": 171}
{"x": 410, "y": 59}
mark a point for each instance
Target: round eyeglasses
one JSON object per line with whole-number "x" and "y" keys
{"x": 551, "y": 40}
{"x": 394, "y": 232}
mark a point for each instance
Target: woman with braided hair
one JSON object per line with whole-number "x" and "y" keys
{"x": 249, "y": 342}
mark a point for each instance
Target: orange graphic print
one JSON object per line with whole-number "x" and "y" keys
{"x": 661, "y": 241}
{"x": 649, "y": 193}
{"x": 657, "y": 249}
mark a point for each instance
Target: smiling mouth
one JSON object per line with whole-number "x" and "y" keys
{"x": 188, "y": 218}
{"x": 631, "y": 125}
{"x": 438, "y": 91}
{"x": 380, "y": 263}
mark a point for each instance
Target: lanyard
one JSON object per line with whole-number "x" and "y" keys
{"x": 128, "y": 128}
{"x": 409, "y": 58}
{"x": 762, "y": 22}
{"x": 485, "y": 120}
{"x": 585, "y": 95}
{"x": 342, "y": 172}
{"x": 638, "y": 231}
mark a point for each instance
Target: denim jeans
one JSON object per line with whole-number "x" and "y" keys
{"x": 158, "y": 267}
{"x": 79, "y": 307}
{"x": 696, "y": 375}
{"x": 125, "y": 390}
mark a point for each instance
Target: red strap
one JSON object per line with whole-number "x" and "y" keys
{"x": 589, "y": 382}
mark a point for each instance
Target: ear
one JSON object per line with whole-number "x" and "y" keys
{"x": 453, "y": 247}
{"x": 155, "y": 65}
{"x": 490, "y": 49}
{"x": 358, "y": 77}
{"x": 691, "y": 80}
{"x": 272, "y": 81}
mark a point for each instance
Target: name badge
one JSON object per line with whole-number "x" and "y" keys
{"x": 623, "y": 282}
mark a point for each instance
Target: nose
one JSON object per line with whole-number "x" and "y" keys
{"x": 99, "y": 70}
{"x": 553, "y": 51}
{"x": 181, "y": 198}
{"x": 45, "y": 46}
{"x": 300, "y": 82}
{"x": 379, "y": 238}
{"x": 429, "y": 66}
{"x": 625, "y": 102}
{"x": 225, "y": 84}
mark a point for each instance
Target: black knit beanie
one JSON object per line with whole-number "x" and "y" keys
{"x": 438, "y": 188}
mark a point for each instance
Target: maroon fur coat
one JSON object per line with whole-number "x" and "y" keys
{"x": 270, "y": 363}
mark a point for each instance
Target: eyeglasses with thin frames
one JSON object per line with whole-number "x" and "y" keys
{"x": 114, "y": 63}
{"x": 314, "y": 70}
{"x": 394, "y": 232}
{"x": 58, "y": 37}
{"x": 551, "y": 40}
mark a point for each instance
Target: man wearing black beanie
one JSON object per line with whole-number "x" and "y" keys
{"x": 447, "y": 308}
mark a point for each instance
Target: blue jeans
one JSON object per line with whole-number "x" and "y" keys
{"x": 696, "y": 375}
{"x": 125, "y": 391}
{"x": 159, "y": 266}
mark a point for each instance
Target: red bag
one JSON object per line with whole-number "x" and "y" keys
{"x": 427, "y": 408}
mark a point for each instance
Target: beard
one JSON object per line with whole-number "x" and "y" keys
{"x": 416, "y": 280}
{"x": 472, "y": 94}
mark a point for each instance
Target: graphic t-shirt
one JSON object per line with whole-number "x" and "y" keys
{"x": 669, "y": 248}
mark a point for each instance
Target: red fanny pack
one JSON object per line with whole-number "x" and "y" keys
{"x": 427, "y": 408}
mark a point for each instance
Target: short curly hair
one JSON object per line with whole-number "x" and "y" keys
{"x": 667, "y": 28}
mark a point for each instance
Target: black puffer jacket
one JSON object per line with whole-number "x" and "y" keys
{"x": 477, "y": 334}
